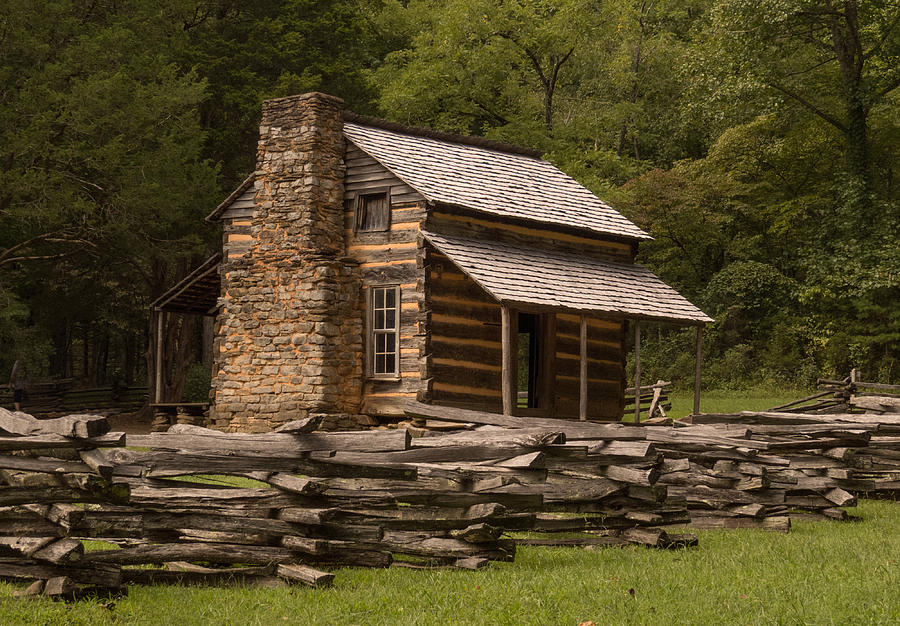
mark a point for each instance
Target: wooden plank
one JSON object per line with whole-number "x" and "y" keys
{"x": 583, "y": 374}
{"x": 80, "y": 426}
{"x": 23, "y": 546}
{"x": 529, "y": 437}
{"x": 161, "y": 464}
{"x": 93, "y": 574}
{"x": 876, "y": 403}
{"x": 508, "y": 376}
{"x": 10, "y": 496}
{"x": 288, "y": 482}
{"x": 180, "y": 572}
{"x": 42, "y": 464}
{"x": 97, "y": 461}
{"x": 306, "y": 575}
{"x": 572, "y": 430}
{"x": 193, "y": 551}
{"x": 37, "y": 442}
{"x": 63, "y": 551}
{"x": 697, "y": 368}
{"x": 637, "y": 368}
{"x": 274, "y": 444}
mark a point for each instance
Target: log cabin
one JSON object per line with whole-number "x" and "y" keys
{"x": 366, "y": 264}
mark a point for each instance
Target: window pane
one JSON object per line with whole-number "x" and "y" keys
{"x": 380, "y": 364}
{"x": 390, "y": 320}
{"x": 390, "y": 296}
{"x": 391, "y": 340}
{"x": 379, "y": 298}
{"x": 379, "y": 320}
{"x": 389, "y": 364}
{"x": 380, "y": 343}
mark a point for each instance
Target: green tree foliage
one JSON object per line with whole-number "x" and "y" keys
{"x": 565, "y": 75}
{"x": 756, "y": 141}
{"x": 250, "y": 51}
{"x": 103, "y": 186}
{"x": 837, "y": 59}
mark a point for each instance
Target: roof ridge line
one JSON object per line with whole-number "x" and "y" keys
{"x": 428, "y": 133}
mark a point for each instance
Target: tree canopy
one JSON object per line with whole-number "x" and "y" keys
{"x": 756, "y": 141}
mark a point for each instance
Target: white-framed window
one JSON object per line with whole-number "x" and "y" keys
{"x": 384, "y": 331}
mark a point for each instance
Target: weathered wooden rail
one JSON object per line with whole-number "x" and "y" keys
{"x": 279, "y": 506}
{"x": 747, "y": 470}
{"x": 58, "y": 397}
{"x": 199, "y": 505}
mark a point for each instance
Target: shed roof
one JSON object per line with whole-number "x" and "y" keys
{"x": 489, "y": 179}
{"x": 195, "y": 293}
{"x": 558, "y": 280}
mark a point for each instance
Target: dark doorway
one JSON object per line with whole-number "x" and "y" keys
{"x": 530, "y": 358}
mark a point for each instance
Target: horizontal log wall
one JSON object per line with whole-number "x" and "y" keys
{"x": 463, "y": 352}
{"x": 496, "y": 229}
{"x": 606, "y": 367}
{"x": 465, "y": 349}
{"x": 365, "y": 173}
{"x": 389, "y": 258}
{"x": 236, "y": 220}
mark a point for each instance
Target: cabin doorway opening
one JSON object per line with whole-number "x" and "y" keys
{"x": 531, "y": 370}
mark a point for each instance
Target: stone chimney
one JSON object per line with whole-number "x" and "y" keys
{"x": 289, "y": 332}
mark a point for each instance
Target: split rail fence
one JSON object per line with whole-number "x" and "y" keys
{"x": 198, "y": 505}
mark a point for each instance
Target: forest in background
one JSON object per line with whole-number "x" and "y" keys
{"x": 757, "y": 141}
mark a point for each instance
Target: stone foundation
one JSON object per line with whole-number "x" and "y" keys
{"x": 289, "y": 338}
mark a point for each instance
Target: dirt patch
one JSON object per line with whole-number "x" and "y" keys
{"x": 129, "y": 423}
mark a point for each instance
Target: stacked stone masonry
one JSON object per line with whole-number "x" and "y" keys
{"x": 289, "y": 338}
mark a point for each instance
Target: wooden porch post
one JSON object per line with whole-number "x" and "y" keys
{"x": 697, "y": 370}
{"x": 508, "y": 358}
{"x": 160, "y": 320}
{"x": 637, "y": 372}
{"x": 583, "y": 380}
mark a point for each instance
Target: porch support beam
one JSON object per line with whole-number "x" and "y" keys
{"x": 508, "y": 358}
{"x": 637, "y": 371}
{"x": 698, "y": 365}
{"x": 583, "y": 374}
{"x": 160, "y": 321}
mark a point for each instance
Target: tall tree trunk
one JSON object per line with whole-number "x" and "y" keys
{"x": 633, "y": 96}
{"x": 62, "y": 341}
{"x": 845, "y": 41}
{"x": 128, "y": 340}
{"x": 857, "y": 150}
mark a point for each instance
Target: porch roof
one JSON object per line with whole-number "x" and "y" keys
{"x": 534, "y": 278}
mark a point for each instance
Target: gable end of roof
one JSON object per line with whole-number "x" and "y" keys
{"x": 217, "y": 212}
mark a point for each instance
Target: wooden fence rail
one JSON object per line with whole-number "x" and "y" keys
{"x": 59, "y": 397}
{"x": 280, "y": 506}
{"x": 199, "y": 505}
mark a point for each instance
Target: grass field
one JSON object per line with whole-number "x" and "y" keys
{"x": 820, "y": 573}
{"x": 715, "y": 401}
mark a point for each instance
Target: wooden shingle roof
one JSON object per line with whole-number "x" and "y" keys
{"x": 559, "y": 280}
{"x": 195, "y": 293}
{"x": 503, "y": 183}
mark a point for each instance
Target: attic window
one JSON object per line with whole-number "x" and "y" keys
{"x": 373, "y": 211}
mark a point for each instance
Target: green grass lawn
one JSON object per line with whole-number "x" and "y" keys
{"x": 820, "y": 573}
{"x": 717, "y": 401}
